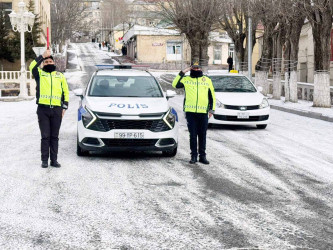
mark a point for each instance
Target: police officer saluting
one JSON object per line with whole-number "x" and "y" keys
{"x": 199, "y": 105}
{"x": 52, "y": 98}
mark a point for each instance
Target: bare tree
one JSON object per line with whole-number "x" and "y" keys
{"x": 266, "y": 10}
{"x": 293, "y": 17}
{"x": 67, "y": 18}
{"x": 279, "y": 39}
{"x": 234, "y": 20}
{"x": 319, "y": 13}
{"x": 195, "y": 19}
{"x": 115, "y": 12}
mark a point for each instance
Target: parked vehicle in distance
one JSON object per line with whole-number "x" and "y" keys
{"x": 238, "y": 101}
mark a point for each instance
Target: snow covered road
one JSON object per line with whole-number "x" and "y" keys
{"x": 264, "y": 189}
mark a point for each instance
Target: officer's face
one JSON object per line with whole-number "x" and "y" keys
{"x": 48, "y": 62}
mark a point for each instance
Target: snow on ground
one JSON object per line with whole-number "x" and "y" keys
{"x": 302, "y": 105}
{"x": 264, "y": 189}
{"x": 158, "y": 73}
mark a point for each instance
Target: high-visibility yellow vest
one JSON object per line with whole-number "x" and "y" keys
{"x": 51, "y": 88}
{"x": 199, "y": 93}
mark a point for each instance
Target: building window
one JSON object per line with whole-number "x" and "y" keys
{"x": 174, "y": 51}
{"x": 217, "y": 52}
{"x": 174, "y": 48}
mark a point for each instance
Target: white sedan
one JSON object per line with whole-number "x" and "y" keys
{"x": 238, "y": 101}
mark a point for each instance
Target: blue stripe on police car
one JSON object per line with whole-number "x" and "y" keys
{"x": 80, "y": 112}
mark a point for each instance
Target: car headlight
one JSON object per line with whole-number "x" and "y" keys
{"x": 264, "y": 104}
{"x": 219, "y": 104}
{"x": 170, "y": 119}
{"x": 88, "y": 117}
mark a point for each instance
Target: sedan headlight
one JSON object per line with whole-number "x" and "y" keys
{"x": 170, "y": 119}
{"x": 88, "y": 117}
{"x": 219, "y": 104}
{"x": 264, "y": 104}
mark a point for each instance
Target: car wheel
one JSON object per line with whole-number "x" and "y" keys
{"x": 262, "y": 126}
{"x": 80, "y": 151}
{"x": 170, "y": 153}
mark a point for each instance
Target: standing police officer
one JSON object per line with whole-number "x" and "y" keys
{"x": 52, "y": 98}
{"x": 199, "y": 100}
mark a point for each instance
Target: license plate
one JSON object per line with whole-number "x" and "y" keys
{"x": 243, "y": 115}
{"x": 129, "y": 135}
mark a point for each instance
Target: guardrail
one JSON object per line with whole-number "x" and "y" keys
{"x": 304, "y": 90}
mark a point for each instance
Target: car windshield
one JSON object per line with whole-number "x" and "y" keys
{"x": 125, "y": 86}
{"x": 232, "y": 84}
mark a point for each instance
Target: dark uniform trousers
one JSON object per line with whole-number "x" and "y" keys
{"x": 49, "y": 120}
{"x": 197, "y": 124}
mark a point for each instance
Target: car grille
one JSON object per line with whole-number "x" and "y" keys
{"x": 105, "y": 125}
{"x": 235, "y": 119}
{"x": 239, "y": 107}
{"x": 129, "y": 142}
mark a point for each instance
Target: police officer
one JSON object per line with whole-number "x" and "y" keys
{"x": 199, "y": 105}
{"x": 52, "y": 98}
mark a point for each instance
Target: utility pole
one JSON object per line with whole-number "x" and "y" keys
{"x": 249, "y": 47}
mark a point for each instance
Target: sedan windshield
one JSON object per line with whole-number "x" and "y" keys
{"x": 125, "y": 86}
{"x": 232, "y": 84}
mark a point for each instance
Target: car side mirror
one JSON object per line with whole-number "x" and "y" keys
{"x": 78, "y": 92}
{"x": 170, "y": 94}
{"x": 260, "y": 89}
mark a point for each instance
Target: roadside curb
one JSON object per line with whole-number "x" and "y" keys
{"x": 309, "y": 114}
{"x": 16, "y": 99}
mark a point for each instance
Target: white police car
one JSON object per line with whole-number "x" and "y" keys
{"x": 123, "y": 109}
{"x": 238, "y": 101}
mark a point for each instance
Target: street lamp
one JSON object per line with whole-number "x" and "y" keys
{"x": 22, "y": 22}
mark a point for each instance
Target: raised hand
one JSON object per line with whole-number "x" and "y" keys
{"x": 47, "y": 53}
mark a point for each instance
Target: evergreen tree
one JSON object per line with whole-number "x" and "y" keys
{"x": 4, "y": 40}
{"x": 32, "y": 39}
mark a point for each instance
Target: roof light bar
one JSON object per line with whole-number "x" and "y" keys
{"x": 111, "y": 66}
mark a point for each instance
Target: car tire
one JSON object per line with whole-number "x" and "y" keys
{"x": 261, "y": 126}
{"x": 170, "y": 153}
{"x": 80, "y": 151}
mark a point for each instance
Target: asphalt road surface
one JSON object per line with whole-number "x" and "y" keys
{"x": 264, "y": 189}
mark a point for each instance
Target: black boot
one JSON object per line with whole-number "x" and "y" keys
{"x": 203, "y": 160}
{"x": 45, "y": 164}
{"x": 193, "y": 159}
{"x": 55, "y": 164}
